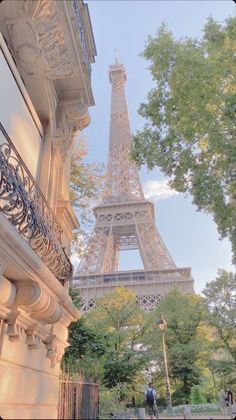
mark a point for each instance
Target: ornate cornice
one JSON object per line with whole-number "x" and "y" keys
{"x": 38, "y": 302}
{"x": 38, "y": 39}
{"x": 49, "y": 49}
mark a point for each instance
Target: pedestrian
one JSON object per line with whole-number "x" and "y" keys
{"x": 151, "y": 396}
{"x": 229, "y": 397}
{"x": 229, "y": 402}
{"x": 222, "y": 401}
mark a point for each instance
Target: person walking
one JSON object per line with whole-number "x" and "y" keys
{"x": 229, "y": 397}
{"x": 229, "y": 402}
{"x": 222, "y": 401}
{"x": 151, "y": 396}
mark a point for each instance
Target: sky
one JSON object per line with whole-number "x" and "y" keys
{"x": 190, "y": 236}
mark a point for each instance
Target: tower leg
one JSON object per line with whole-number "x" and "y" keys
{"x": 153, "y": 251}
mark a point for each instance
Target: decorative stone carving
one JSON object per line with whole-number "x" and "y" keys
{"x": 52, "y": 40}
{"x": 53, "y": 353}
{"x": 2, "y": 267}
{"x": 38, "y": 302}
{"x": 12, "y": 330}
{"x": 38, "y": 37}
{"x": 31, "y": 340}
{"x": 39, "y": 42}
{"x": 7, "y": 291}
{"x": 74, "y": 117}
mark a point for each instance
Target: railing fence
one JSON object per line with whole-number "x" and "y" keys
{"x": 77, "y": 400}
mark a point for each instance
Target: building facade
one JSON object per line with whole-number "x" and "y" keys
{"x": 125, "y": 221}
{"x": 46, "y": 51}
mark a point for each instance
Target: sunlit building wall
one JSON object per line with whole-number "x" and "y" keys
{"x": 46, "y": 51}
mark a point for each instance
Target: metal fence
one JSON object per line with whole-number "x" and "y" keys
{"x": 78, "y": 400}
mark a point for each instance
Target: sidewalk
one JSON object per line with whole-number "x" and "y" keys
{"x": 193, "y": 417}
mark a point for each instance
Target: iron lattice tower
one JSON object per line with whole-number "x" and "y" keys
{"x": 125, "y": 221}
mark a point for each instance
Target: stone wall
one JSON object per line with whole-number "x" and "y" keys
{"x": 28, "y": 382}
{"x": 46, "y": 48}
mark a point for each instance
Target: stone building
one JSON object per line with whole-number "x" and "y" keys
{"x": 46, "y": 51}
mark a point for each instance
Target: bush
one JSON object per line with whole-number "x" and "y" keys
{"x": 196, "y": 395}
{"x": 110, "y": 401}
{"x": 198, "y": 408}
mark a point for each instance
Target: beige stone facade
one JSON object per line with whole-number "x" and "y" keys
{"x": 46, "y": 51}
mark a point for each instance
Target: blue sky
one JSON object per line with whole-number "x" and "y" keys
{"x": 190, "y": 236}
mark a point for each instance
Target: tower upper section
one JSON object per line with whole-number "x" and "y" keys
{"x": 122, "y": 179}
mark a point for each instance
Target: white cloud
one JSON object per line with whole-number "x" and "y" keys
{"x": 158, "y": 190}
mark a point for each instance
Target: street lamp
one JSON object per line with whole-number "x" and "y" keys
{"x": 161, "y": 323}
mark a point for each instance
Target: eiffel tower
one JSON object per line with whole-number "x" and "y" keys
{"x": 125, "y": 221}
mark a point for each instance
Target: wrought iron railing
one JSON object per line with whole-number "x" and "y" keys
{"x": 85, "y": 52}
{"x": 24, "y": 205}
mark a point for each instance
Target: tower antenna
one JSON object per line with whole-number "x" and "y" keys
{"x": 117, "y": 61}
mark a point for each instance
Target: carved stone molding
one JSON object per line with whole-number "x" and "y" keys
{"x": 2, "y": 267}
{"x": 7, "y": 289}
{"x": 7, "y": 292}
{"x": 38, "y": 38}
{"x": 74, "y": 117}
{"x": 31, "y": 339}
{"x": 12, "y": 330}
{"x": 38, "y": 302}
{"x": 53, "y": 352}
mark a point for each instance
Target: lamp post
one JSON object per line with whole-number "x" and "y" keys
{"x": 161, "y": 323}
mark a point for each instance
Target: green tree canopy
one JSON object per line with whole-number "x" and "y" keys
{"x": 186, "y": 341}
{"x": 191, "y": 125}
{"x": 86, "y": 181}
{"x": 220, "y": 297}
{"x": 118, "y": 315}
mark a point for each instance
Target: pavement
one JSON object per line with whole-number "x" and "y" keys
{"x": 193, "y": 417}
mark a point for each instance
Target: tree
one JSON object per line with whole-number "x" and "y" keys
{"x": 190, "y": 112}
{"x": 86, "y": 345}
{"x": 185, "y": 339}
{"x": 118, "y": 315}
{"x": 196, "y": 396}
{"x": 84, "y": 342}
{"x": 86, "y": 181}
{"x": 220, "y": 297}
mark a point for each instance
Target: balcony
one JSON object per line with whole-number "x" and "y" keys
{"x": 25, "y": 207}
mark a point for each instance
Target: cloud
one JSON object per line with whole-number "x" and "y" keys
{"x": 158, "y": 190}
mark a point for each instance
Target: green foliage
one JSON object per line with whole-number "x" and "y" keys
{"x": 75, "y": 296}
{"x": 185, "y": 339}
{"x": 196, "y": 396}
{"x": 86, "y": 182}
{"x": 111, "y": 401}
{"x": 118, "y": 316}
{"x": 220, "y": 297}
{"x": 118, "y": 345}
{"x": 84, "y": 342}
{"x": 122, "y": 367}
{"x": 86, "y": 345}
{"x": 190, "y": 112}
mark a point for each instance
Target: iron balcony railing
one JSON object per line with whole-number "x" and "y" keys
{"x": 24, "y": 205}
